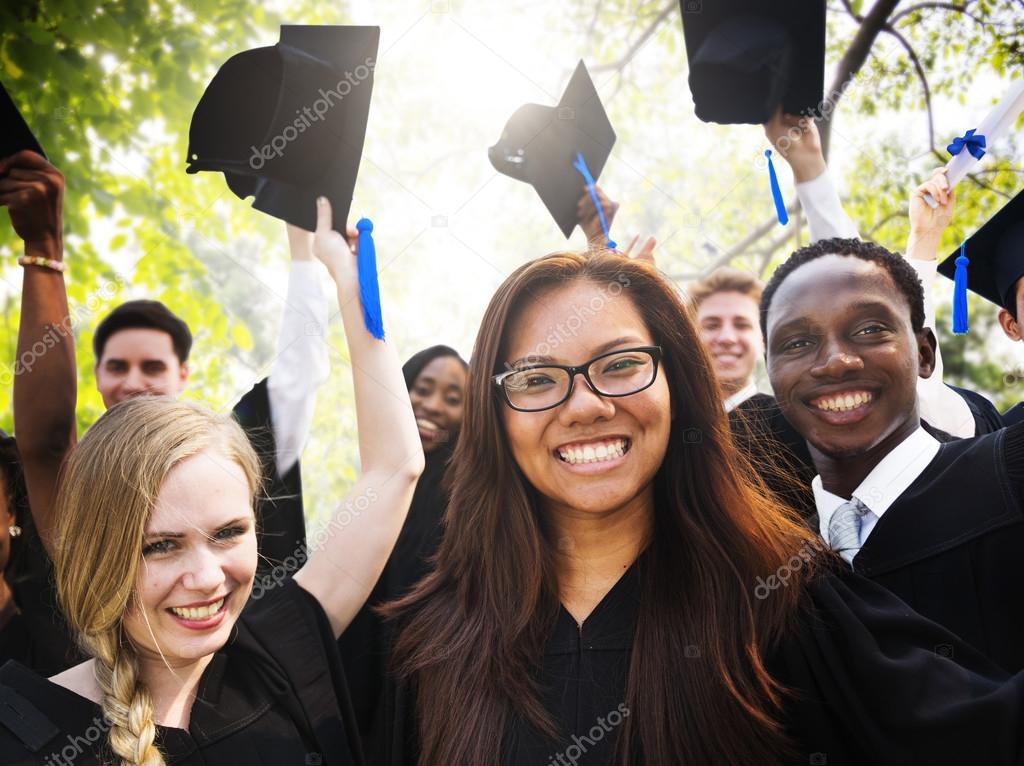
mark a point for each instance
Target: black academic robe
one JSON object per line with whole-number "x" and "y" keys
{"x": 364, "y": 644}
{"x": 1013, "y": 415}
{"x": 38, "y": 636}
{"x": 986, "y": 416}
{"x": 282, "y": 526}
{"x": 274, "y": 695}
{"x": 950, "y": 546}
{"x": 867, "y": 687}
{"x": 775, "y": 450}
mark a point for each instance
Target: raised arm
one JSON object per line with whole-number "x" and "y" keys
{"x": 797, "y": 141}
{"x": 939, "y": 404}
{"x": 301, "y": 365}
{"x": 346, "y": 558}
{"x": 45, "y": 375}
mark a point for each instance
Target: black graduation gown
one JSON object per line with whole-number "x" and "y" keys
{"x": 868, "y": 687}
{"x": 274, "y": 695}
{"x": 986, "y": 417}
{"x": 1013, "y": 415}
{"x": 282, "y": 526}
{"x": 951, "y": 545}
{"x": 775, "y": 450}
{"x": 38, "y": 636}
{"x": 364, "y": 644}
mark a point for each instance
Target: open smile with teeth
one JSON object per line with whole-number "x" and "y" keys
{"x": 198, "y": 612}
{"x": 594, "y": 452}
{"x": 844, "y": 402}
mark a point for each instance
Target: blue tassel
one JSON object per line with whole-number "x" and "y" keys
{"x": 369, "y": 291}
{"x": 960, "y": 292}
{"x": 780, "y": 205}
{"x": 581, "y": 165}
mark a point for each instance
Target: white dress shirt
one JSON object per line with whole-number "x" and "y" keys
{"x": 740, "y": 396}
{"x": 301, "y": 365}
{"x": 886, "y": 482}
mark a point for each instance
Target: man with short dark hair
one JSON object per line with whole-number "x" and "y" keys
{"x": 141, "y": 347}
{"x": 940, "y": 523}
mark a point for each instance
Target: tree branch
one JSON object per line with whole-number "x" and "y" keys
{"x": 946, "y": 6}
{"x": 639, "y": 43}
{"x": 921, "y": 76}
{"x": 852, "y": 61}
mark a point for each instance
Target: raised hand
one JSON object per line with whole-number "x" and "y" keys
{"x": 926, "y": 222}
{"x": 334, "y": 251}
{"x": 645, "y": 253}
{"x": 586, "y": 214}
{"x": 797, "y": 141}
{"x": 32, "y": 190}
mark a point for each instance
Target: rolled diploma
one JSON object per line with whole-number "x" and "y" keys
{"x": 995, "y": 124}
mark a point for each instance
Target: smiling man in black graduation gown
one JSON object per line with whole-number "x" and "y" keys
{"x": 939, "y": 524}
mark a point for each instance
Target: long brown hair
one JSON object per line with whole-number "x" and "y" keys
{"x": 473, "y": 631}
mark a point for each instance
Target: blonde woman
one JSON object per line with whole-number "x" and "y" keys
{"x": 155, "y": 570}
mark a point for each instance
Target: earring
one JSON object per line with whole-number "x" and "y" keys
{"x": 14, "y": 530}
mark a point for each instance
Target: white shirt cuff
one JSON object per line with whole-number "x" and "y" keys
{"x": 825, "y": 215}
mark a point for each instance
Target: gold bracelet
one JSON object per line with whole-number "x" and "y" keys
{"x": 38, "y": 260}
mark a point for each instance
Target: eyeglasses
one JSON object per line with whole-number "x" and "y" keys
{"x": 543, "y": 386}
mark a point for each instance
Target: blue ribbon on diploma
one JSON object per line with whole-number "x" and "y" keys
{"x": 581, "y": 165}
{"x": 974, "y": 144}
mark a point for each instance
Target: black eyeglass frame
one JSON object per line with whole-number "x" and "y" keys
{"x": 574, "y": 370}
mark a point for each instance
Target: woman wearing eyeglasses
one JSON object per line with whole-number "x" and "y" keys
{"x": 611, "y": 588}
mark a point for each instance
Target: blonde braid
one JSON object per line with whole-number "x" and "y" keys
{"x": 127, "y": 705}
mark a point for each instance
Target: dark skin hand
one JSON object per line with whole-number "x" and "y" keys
{"x": 32, "y": 190}
{"x": 843, "y": 360}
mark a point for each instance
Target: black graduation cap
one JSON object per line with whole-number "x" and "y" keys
{"x": 540, "y": 144}
{"x": 286, "y": 123}
{"x": 996, "y": 256}
{"x": 15, "y": 135}
{"x": 749, "y": 56}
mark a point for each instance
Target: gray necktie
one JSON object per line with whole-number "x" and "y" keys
{"x": 844, "y": 528}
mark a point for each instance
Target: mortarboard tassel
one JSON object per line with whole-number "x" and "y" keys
{"x": 960, "y": 292}
{"x": 581, "y": 165}
{"x": 780, "y": 205}
{"x": 369, "y": 290}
